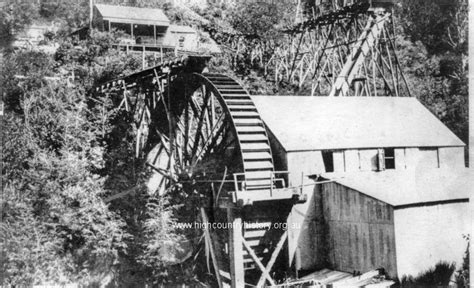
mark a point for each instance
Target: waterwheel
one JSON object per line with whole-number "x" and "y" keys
{"x": 207, "y": 129}
{"x": 208, "y": 149}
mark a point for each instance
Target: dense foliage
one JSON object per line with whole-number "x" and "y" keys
{"x": 54, "y": 225}
{"x": 432, "y": 46}
{"x": 64, "y": 154}
{"x": 438, "y": 276}
{"x": 462, "y": 276}
{"x": 443, "y": 274}
{"x": 14, "y": 16}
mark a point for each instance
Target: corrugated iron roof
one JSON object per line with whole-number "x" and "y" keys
{"x": 315, "y": 123}
{"x": 405, "y": 187}
{"x": 135, "y": 15}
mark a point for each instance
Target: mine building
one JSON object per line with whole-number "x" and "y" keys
{"x": 397, "y": 187}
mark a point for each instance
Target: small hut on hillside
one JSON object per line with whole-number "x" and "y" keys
{"x": 148, "y": 29}
{"x": 143, "y": 25}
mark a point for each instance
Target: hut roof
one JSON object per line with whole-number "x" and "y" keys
{"x": 135, "y": 15}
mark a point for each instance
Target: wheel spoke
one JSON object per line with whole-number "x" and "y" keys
{"x": 213, "y": 111}
{"x": 211, "y": 140}
{"x": 197, "y": 112}
{"x": 186, "y": 133}
{"x": 200, "y": 124}
{"x": 179, "y": 145}
{"x": 207, "y": 118}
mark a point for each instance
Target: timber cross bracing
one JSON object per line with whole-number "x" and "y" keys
{"x": 352, "y": 47}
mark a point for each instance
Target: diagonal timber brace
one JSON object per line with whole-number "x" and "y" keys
{"x": 274, "y": 257}
{"x": 366, "y": 42}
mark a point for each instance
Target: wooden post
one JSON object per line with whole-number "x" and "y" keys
{"x": 236, "y": 249}
{"x": 91, "y": 13}
{"x": 110, "y": 26}
{"x": 297, "y": 261}
{"x": 131, "y": 29}
{"x": 207, "y": 235}
{"x": 154, "y": 33}
{"x": 143, "y": 57}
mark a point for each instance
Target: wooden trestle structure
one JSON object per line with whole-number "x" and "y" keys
{"x": 347, "y": 51}
{"x": 202, "y": 134}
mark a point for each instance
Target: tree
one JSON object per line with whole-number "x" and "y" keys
{"x": 432, "y": 45}
{"x": 440, "y": 26}
{"x": 149, "y": 220}
{"x": 56, "y": 228}
{"x": 462, "y": 277}
{"x": 258, "y": 28}
{"x": 36, "y": 65}
{"x": 73, "y": 14}
{"x": 437, "y": 276}
{"x": 14, "y": 16}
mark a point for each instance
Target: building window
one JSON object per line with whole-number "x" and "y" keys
{"x": 334, "y": 160}
{"x": 389, "y": 158}
{"x": 328, "y": 161}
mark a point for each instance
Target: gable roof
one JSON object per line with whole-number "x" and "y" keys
{"x": 302, "y": 123}
{"x": 405, "y": 187}
{"x": 135, "y": 15}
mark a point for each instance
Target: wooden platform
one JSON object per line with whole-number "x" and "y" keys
{"x": 328, "y": 278}
{"x": 249, "y": 197}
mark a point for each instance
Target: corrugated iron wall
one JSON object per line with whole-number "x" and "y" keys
{"x": 361, "y": 232}
{"x": 348, "y": 231}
